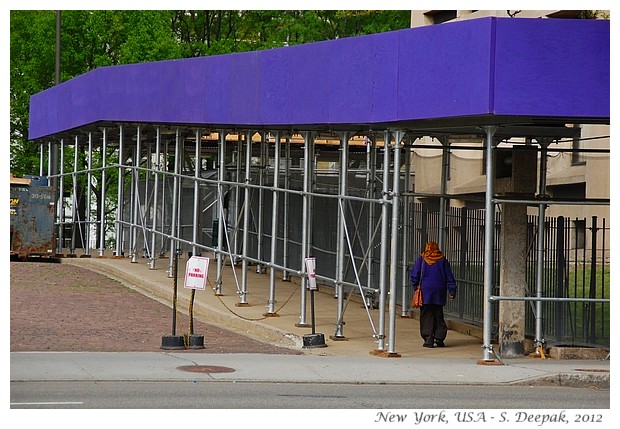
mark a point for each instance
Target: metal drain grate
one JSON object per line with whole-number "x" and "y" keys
{"x": 205, "y": 369}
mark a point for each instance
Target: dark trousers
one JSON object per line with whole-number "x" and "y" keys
{"x": 432, "y": 323}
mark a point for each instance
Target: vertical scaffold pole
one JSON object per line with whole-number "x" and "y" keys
{"x": 61, "y": 190}
{"x": 89, "y": 178}
{"x": 173, "y": 258}
{"x": 542, "y": 191}
{"x": 304, "y": 230}
{"x": 164, "y": 204}
{"x": 221, "y": 174}
{"x": 383, "y": 265}
{"x": 118, "y": 251}
{"x": 445, "y": 158}
{"x": 394, "y": 243}
{"x": 136, "y": 195}
{"x": 406, "y": 232}
{"x": 274, "y": 227}
{"x": 246, "y": 220}
{"x": 489, "y": 231}
{"x": 285, "y": 237}
{"x": 74, "y": 205}
{"x": 371, "y": 180}
{"x": 195, "y": 223}
{"x": 153, "y": 254}
{"x": 261, "y": 197}
{"x": 104, "y": 166}
{"x": 42, "y": 159}
{"x": 341, "y": 244}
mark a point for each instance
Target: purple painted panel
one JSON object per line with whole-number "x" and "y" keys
{"x": 384, "y": 87}
{"x": 217, "y": 84}
{"x": 310, "y": 66}
{"x": 153, "y": 92}
{"x": 444, "y": 71}
{"x": 275, "y": 103}
{"x": 351, "y": 80}
{"x": 454, "y": 70}
{"x": 552, "y": 67}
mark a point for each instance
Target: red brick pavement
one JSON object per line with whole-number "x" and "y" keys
{"x": 62, "y": 307}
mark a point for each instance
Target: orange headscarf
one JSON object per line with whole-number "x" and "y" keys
{"x": 432, "y": 253}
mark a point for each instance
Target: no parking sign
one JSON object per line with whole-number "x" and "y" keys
{"x": 311, "y": 269}
{"x": 196, "y": 271}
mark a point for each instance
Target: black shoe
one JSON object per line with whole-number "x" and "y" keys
{"x": 440, "y": 343}
{"x": 428, "y": 345}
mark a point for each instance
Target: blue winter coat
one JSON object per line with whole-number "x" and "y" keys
{"x": 437, "y": 280}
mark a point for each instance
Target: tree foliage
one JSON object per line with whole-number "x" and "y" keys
{"x": 92, "y": 39}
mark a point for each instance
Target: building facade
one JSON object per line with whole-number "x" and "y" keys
{"x": 576, "y": 168}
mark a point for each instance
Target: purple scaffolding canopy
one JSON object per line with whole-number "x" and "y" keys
{"x": 474, "y": 72}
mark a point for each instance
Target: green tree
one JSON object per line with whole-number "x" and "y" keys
{"x": 92, "y": 39}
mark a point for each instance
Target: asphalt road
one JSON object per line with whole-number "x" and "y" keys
{"x": 263, "y": 395}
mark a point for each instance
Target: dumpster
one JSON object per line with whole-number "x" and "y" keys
{"x": 33, "y": 211}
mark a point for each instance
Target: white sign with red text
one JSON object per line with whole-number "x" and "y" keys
{"x": 311, "y": 270}
{"x": 196, "y": 271}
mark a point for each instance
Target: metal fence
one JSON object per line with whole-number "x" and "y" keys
{"x": 575, "y": 266}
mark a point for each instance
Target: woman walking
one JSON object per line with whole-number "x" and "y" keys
{"x": 432, "y": 271}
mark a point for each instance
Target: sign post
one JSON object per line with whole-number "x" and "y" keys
{"x": 313, "y": 340}
{"x": 174, "y": 341}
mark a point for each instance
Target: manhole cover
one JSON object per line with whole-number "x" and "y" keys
{"x": 205, "y": 369}
{"x": 592, "y": 370}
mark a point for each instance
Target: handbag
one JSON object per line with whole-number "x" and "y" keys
{"x": 417, "y": 301}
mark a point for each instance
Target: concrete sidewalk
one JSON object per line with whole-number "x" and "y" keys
{"x": 352, "y": 358}
{"x": 187, "y": 366}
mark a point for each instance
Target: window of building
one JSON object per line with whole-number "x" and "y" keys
{"x": 579, "y": 226}
{"x": 439, "y": 16}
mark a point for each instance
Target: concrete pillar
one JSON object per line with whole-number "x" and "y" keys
{"x": 513, "y": 242}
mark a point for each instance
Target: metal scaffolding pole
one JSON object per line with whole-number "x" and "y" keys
{"x": 104, "y": 150}
{"x": 394, "y": 243}
{"x": 371, "y": 171}
{"x": 42, "y": 159}
{"x": 174, "y": 212}
{"x": 152, "y": 253}
{"x": 445, "y": 162}
{"x": 164, "y": 204}
{"x": 147, "y": 197}
{"x": 60, "y": 209}
{"x": 285, "y": 236}
{"x": 89, "y": 178}
{"x": 136, "y": 195}
{"x": 304, "y": 229}
{"x": 120, "y": 197}
{"x": 341, "y": 244}
{"x": 179, "y": 190}
{"x": 74, "y": 205}
{"x": 235, "y": 246}
{"x": 383, "y": 274}
{"x": 406, "y": 233}
{"x": 489, "y": 231}
{"x": 246, "y": 220}
{"x": 540, "y": 244}
{"x": 274, "y": 227}
{"x": 261, "y": 197}
{"x": 221, "y": 174}
{"x": 196, "y": 206}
